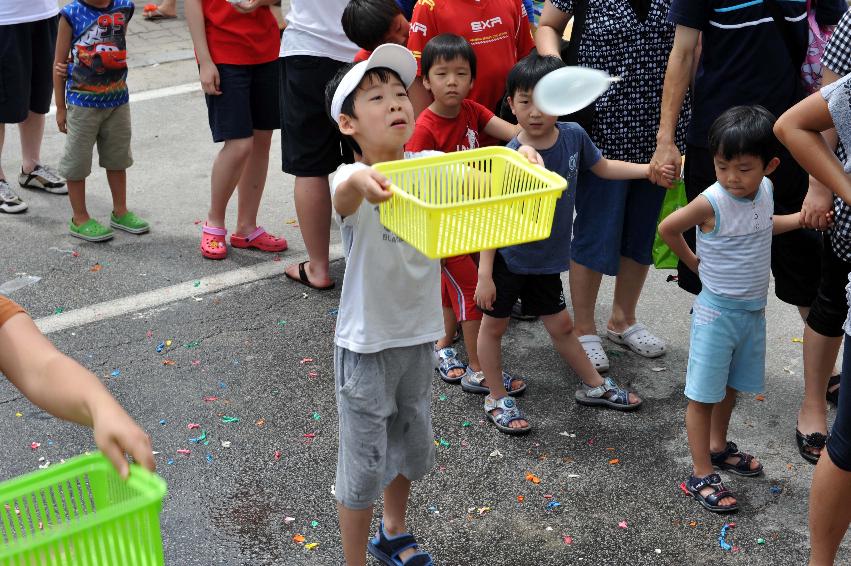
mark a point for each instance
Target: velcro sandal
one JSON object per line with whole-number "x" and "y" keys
{"x": 448, "y": 363}
{"x": 213, "y": 244}
{"x": 387, "y": 549}
{"x": 741, "y": 468}
{"x": 694, "y": 485}
{"x": 474, "y": 382}
{"x": 510, "y": 413}
{"x": 609, "y": 395}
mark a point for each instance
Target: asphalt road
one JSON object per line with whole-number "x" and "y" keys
{"x": 250, "y": 345}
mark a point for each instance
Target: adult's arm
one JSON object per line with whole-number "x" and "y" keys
{"x": 551, "y": 28}
{"x": 208, "y": 71}
{"x": 677, "y": 79}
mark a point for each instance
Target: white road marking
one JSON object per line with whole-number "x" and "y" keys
{"x": 157, "y": 297}
{"x": 155, "y": 93}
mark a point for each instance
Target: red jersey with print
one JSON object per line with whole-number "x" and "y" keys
{"x": 433, "y": 131}
{"x": 97, "y": 74}
{"x": 498, "y": 30}
{"x": 234, "y": 38}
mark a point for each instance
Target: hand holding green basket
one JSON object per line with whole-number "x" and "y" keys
{"x": 465, "y": 202}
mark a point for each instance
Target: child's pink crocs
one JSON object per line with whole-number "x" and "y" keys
{"x": 213, "y": 244}
{"x": 259, "y": 239}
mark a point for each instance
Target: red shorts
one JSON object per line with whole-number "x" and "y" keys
{"x": 459, "y": 277}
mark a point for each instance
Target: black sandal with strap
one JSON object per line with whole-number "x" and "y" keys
{"x": 813, "y": 440}
{"x": 740, "y": 468}
{"x": 711, "y": 501}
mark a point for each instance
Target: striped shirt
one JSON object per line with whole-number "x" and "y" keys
{"x": 735, "y": 257}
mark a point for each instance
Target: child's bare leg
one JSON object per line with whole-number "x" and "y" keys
{"x": 354, "y": 530}
{"x": 721, "y": 413}
{"x": 395, "y": 505}
{"x": 471, "y": 342}
{"x": 252, "y": 182}
{"x": 450, "y": 325}
{"x": 490, "y": 355}
{"x": 227, "y": 169}
{"x": 561, "y": 331}
{"x": 118, "y": 187}
{"x": 699, "y": 422}
{"x": 77, "y": 196}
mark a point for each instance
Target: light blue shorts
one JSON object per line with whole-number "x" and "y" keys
{"x": 727, "y": 349}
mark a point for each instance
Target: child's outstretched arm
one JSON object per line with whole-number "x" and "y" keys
{"x": 366, "y": 183}
{"x": 502, "y": 130}
{"x": 787, "y": 222}
{"x": 63, "y": 49}
{"x": 64, "y": 388}
{"x": 621, "y": 170}
{"x": 209, "y": 73}
{"x": 799, "y": 128}
{"x": 671, "y": 229}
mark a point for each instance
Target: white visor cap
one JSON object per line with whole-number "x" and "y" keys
{"x": 391, "y": 56}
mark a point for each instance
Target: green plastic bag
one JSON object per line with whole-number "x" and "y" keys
{"x": 663, "y": 257}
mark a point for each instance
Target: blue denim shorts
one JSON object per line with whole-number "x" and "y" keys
{"x": 614, "y": 219}
{"x": 727, "y": 349}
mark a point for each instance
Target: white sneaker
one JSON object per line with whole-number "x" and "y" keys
{"x": 10, "y": 202}
{"x": 44, "y": 178}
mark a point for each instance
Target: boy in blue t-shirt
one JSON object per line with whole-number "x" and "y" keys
{"x": 532, "y": 271}
{"x": 92, "y": 107}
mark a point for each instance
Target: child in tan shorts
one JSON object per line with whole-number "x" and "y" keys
{"x": 92, "y": 107}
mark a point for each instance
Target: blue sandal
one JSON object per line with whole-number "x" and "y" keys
{"x": 474, "y": 382}
{"x": 510, "y": 413}
{"x": 448, "y": 363}
{"x": 387, "y": 549}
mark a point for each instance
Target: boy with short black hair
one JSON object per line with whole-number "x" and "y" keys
{"x": 532, "y": 271}
{"x": 733, "y": 260}
{"x": 454, "y": 123}
{"x": 370, "y": 23}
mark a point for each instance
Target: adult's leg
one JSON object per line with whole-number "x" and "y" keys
{"x": 32, "y": 133}
{"x": 252, "y": 182}
{"x": 830, "y": 494}
{"x": 227, "y": 170}
{"x": 628, "y": 285}
{"x": 313, "y": 208}
{"x": 584, "y": 288}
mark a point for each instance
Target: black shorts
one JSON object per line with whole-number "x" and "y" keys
{"x": 795, "y": 256}
{"x": 311, "y": 144}
{"x": 26, "y": 68}
{"x": 248, "y": 102}
{"x": 828, "y": 311}
{"x": 541, "y": 294}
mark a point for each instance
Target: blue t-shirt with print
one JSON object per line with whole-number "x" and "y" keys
{"x": 573, "y": 152}
{"x": 407, "y": 7}
{"x": 97, "y": 74}
{"x": 744, "y": 59}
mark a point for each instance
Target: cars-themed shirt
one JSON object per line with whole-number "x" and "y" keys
{"x": 97, "y": 74}
{"x": 498, "y": 30}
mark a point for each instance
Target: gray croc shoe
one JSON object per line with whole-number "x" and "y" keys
{"x": 640, "y": 340}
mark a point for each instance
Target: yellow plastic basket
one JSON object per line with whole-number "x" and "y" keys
{"x": 468, "y": 201}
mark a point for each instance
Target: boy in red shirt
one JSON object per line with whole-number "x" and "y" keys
{"x": 237, "y": 49}
{"x": 498, "y": 30}
{"x": 370, "y": 23}
{"x": 454, "y": 123}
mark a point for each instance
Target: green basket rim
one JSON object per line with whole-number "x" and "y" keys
{"x": 151, "y": 490}
{"x": 557, "y": 182}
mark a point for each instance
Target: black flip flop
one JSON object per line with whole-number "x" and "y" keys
{"x": 832, "y": 396}
{"x": 812, "y": 440}
{"x": 304, "y": 280}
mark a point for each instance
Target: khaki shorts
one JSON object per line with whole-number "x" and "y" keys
{"x": 109, "y": 128}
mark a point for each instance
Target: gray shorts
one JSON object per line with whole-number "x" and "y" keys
{"x": 384, "y": 407}
{"x": 109, "y": 128}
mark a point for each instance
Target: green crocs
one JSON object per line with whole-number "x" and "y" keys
{"x": 91, "y": 231}
{"x": 129, "y": 223}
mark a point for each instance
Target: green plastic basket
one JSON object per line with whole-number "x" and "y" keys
{"x": 81, "y": 513}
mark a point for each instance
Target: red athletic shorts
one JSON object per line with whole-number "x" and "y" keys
{"x": 458, "y": 288}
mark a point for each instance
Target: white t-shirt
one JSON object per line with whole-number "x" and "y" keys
{"x": 22, "y": 11}
{"x": 314, "y": 28}
{"x": 391, "y": 292}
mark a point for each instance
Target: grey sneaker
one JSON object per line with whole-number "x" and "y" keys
{"x": 9, "y": 201}
{"x": 44, "y": 178}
